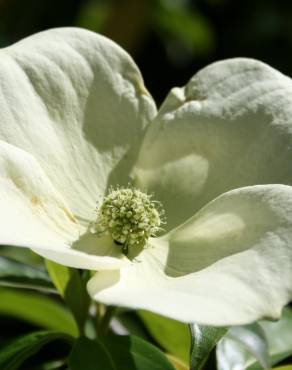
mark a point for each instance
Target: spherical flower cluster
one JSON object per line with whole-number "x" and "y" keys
{"x": 130, "y": 217}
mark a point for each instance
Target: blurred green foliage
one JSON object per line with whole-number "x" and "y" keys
{"x": 169, "y": 39}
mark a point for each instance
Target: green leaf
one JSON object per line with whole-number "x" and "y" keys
{"x": 204, "y": 340}
{"x": 129, "y": 352}
{"x": 188, "y": 26}
{"x": 132, "y": 324}
{"x": 20, "y": 275}
{"x": 286, "y": 367}
{"x": 59, "y": 274}
{"x": 253, "y": 338}
{"x": 52, "y": 365}
{"x": 172, "y": 335}
{"x": 36, "y": 309}
{"x": 177, "y": 363}
{"x": 77, "y": 298}
{"x": 117, "y": 353}
{"x": 22, "y": 255}
{"x": 72, "y": 287}
{"x": 278, "y": 335}
{"x": 14, "y": 354}
{"x": 90, "y": 355}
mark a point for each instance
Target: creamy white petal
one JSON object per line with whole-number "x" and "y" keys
{"x": 231, "y": 126}
{"x": 88, "y": 251}
{"x": 75, "y": 101}
{"x": 230, "y": 264}
{"x": 34, "y": 215}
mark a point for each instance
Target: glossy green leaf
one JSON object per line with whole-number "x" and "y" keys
{"x": 172, "y": 335}
{"x": 287, "y": 367}
{"x": 204, "y": 340}
{"x": 38, "y": 310}
{"x": 117, "y": 353}
{"x": 14, "y": 354}
{"x": 279, "y": 337}
{"x": 253, "y": 338}
{"x": 52, "y": 365}
{"x": 17, "y": 274}
{"x": 232, "y": 354}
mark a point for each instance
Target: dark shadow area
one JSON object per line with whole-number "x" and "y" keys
{"x": 170, "y": 40}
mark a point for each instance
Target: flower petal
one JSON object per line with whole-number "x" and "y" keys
{"x": 230, "y": 264}
{"x": 229, "y": 127}
{"x": 34, "y": 215}
{"x": 87, "y": 252}
{"x": 77, "y": 103}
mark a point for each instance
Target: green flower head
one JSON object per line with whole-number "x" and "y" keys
{"x": 130, "y": 217}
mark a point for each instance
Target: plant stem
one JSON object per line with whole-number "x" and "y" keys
{"x": 104, "y": 322}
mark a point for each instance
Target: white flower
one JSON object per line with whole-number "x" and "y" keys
{"x": 77, "y": 119}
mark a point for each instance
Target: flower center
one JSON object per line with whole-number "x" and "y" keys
{"x": 130, "y": 217}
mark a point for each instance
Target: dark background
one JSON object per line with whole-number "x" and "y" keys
{"x": 169, "y": 39}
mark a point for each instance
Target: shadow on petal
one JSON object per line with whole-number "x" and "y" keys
{"x": 233, "y": 223}
{"x": 97, "y": 245}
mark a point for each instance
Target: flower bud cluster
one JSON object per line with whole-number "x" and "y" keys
{"x": 129, "y": 216}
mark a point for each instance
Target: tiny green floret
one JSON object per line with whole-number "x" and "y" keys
{"x": 130, "y": 217}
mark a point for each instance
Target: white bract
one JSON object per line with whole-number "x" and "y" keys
{"x": 76, "y": 121}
